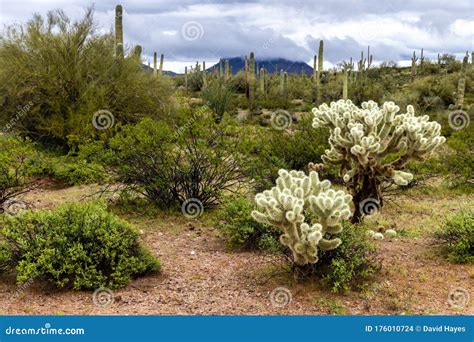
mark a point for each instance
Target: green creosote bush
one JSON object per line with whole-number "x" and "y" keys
{"x": 218, "y": 97}
{"x": 15, "y": 155}
{"x": 78, "y": 245}
{"x": 240, "y": 230}
{"x": 350, "y": 265}
{"x": 168, "y": 166}
{"x": 457, "y": 236}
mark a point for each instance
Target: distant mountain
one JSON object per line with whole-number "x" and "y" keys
{"x": 271, "y": 65}
{"x": 169, "y": 73}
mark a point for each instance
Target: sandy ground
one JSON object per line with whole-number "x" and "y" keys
{"x": 201, "y": 276}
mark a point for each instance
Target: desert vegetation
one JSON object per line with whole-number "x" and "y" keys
{"x": 124, "y": 189}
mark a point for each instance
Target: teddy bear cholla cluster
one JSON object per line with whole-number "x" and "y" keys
{"x": 361, "y": 137}
{"x": 305, "y": 209}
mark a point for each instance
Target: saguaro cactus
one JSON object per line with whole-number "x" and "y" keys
{"x": 262, "y": 80}
{"x": 162, "y": 57}
{"x": 118, "y": 31}
{"x": 306, "y": 210}
{"x": 373, "y": 144}
{"x": 252, "y": 81}
{"x": 319, "y": 86}
{"x": 345, "y": 84}
{"x": 226, "y": 70}
{"x": 186, "y": 79}
{"x": 155, "y": 61}
{"x": 137, "y": 52}
{"x": 204, "y": 76}
{"x": 462, "y": 83}
{"x": 414, "y": 59}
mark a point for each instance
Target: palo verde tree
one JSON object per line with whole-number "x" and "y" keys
{"x": 372, "y": 144}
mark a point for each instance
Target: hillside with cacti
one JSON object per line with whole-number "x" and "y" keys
{"x": 255, "y": 185}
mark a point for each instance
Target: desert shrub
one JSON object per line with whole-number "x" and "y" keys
{"x": 15, "y": 154}
{"x": 60, "y": 72}
{"x": 67, "y": 169}
{"x": 78, "y": 245}
{"x": 196, "y": 160}
{"x": 459, "y": 162}
{"x": 351, "y": 264}
{"x": 240, "y": 230}
{"x": 457, "y": 236}
{"x": 5, "y": 257}
{"x": 267, "y": 150}
{"x": 217, "y": 96}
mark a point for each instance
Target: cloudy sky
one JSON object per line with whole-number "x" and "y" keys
{"x": 186, "y": 31}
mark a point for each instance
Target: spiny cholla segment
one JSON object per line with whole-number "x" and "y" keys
{"x": 296, "y": 196}
{"x": 361, "y": 137}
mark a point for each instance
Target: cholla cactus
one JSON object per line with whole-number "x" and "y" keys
{"x": 306, "y": 210}
{"x": 361, "y": 139}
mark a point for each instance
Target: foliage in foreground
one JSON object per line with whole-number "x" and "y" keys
{"x": 351, "y": 264}
{"x": 240, "y": 230}
{"x": 457, "y": 236}
{"x": 14, "y": 157}
{"x": 78, "y": 245}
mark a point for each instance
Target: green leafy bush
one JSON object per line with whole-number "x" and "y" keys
{"x": 78, "y": 245}
{"x": 218, "y": 97}
{"x": 240, "y": 230}
{"x": 457, "y": 236}
{"x": 196, "y": 160}
{"x": 351, "y": 264}
{"x": 71, "y": 75}
{"x": 459, "y": 162}
{"x": 15, "y": 154}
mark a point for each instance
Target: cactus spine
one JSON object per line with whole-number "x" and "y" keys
{"x": 118, "y": 31}
{"x": 306, "y": 211}
{"x": 252, "y": 81}
{"x": 462, "y": 83}
{"x": 162, "y": 57}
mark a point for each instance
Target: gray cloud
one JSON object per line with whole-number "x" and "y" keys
{"x": 279, "y": 28}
